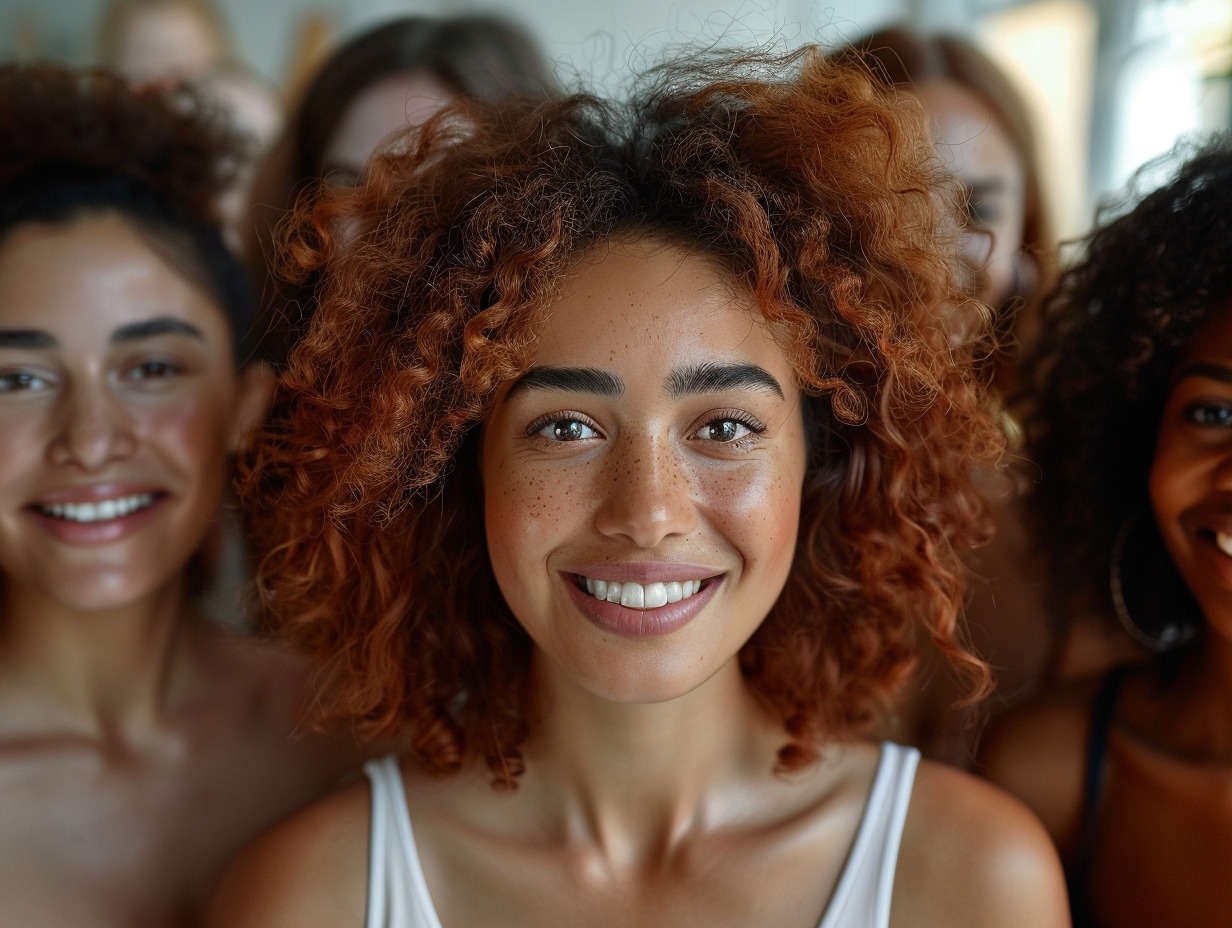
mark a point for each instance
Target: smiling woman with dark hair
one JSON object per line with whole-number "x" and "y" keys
{"x": 139, "y": 743}
{"x": 627, "y": 452}
{"x": 1133, "y": 395}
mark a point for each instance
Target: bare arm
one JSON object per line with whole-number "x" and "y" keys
{"x": 1037, "y": 752}
{"x": 973, "y": 856}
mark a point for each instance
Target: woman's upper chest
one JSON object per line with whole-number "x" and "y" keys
{"x": 1163, "y": 841}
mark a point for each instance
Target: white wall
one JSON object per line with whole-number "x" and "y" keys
{"x": 596, "y": 38}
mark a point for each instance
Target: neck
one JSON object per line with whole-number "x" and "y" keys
{"x": 634, "y": 778}
{"x": 93, "y": 672}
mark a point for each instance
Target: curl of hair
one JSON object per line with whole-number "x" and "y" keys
{"x": 901, "y": 57}
{"x": 821, "y": 196}
{"x": 167, "y": 139}
{"x": 83, "y": 142}
{"x": 1121, "y": 319}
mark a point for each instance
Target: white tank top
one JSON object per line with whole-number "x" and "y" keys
{"x": 398, "y": 893}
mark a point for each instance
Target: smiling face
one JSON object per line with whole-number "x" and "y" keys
{"x": 1191, "y": 476}
{"x": 119, "y": 402}
{"x": 643, "y": 480}
{"x": 974, "y": 146}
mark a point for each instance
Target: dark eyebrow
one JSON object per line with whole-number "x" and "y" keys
{"x": 1212, "y": 371}
{"x": 711, "y": 376}
{"x": 573, "y": 379}
{"x": 27, "y": 338}
{"x": 148, "y": 328}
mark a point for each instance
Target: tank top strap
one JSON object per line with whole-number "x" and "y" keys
{"x": 397, "y": 889}
{"x": 862, "y": 897}
{"x": 1103, "y": 715}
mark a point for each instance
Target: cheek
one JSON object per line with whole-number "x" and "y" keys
{"x": 526, "y": 515}
{"x": 758, "y": 511}
{"x": 195, "y": 433}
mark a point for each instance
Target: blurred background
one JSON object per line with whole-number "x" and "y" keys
{"x": 1109, "y": 82}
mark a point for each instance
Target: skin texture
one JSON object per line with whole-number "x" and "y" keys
{"x": 1165, "y": 830}
{"x": 650, "y": 795}
{"x": 390, "y": 105}
{"x": 139, "y": 746}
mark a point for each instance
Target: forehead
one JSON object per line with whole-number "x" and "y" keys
{"x": 968, "y": 134}
{"x": 649, "y": 302}
{"x": 92, "y": 274}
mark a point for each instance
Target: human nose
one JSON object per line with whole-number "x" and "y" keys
{"x": 1223, "y": 472}
{"x": 92, "y": 430}
{"x": 647, "y": 497}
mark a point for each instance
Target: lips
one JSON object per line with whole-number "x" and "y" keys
{"x": 645, "y": 607}
{"x": 95, "y": 514}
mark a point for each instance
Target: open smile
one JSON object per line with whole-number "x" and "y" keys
{"x": 101, "y": 511}
{"x": 635, "y": 595}
{"x": 631, "y": 609}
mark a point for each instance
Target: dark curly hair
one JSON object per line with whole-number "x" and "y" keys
{"x": 822, "y": 197}
{"x": 1116, "y": 327}
{"x": 83, "y": 142}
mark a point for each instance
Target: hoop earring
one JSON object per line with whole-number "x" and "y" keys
{"x": 1169, "y": 633}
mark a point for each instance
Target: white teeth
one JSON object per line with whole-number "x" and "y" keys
{"x": 633, "y": 595}
{"x": 639, "y": 596}
{"x": 1224, "y": 543}
{"x": 103, "y": 511}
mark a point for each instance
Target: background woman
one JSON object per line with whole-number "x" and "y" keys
{"x": 139, "y": 745}
{"x": 382, "y": 81}
{"x": 1134, "y": 404}
{"x": 984, "y": 135}
{"x": 623, "y": 459}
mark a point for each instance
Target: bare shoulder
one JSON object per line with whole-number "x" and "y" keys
{"x": 972, "y": 855}
{"x": 1037, "y": 752}
{"x": 310, "y": 869}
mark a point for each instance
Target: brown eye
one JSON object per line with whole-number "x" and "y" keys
{"x": 566, "y": 430}
{"x": 724, "y": 430}
{"x": 21, "y": 380}
{"x": 1212, "y": 414}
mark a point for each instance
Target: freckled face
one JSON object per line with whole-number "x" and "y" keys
{"x": 642, "y": 482}
{"x": 1191, "y": 475}
{"x": 119, "y": 402}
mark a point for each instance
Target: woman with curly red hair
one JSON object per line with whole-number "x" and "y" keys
{"x": 628, "y": 450}
{"x": 140, "y": 745}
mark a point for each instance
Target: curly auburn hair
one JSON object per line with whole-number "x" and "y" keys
{"x": 84, "y": 142}
{"x": 1116, "y": 327}
{"x": 821, "y": 196}
{"x": 901, "y": 57}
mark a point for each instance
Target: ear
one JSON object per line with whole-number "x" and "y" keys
{"x": 255, "y": 390}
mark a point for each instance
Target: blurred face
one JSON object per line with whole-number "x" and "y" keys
{"x": 118, "y": 405}
{"x": 974, "y": 146}
{"x": 165, "y": 42}
{"x": 642, "y": 481}
{"x": 389, "y": 106}
{"x": 1191, "y": 477}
